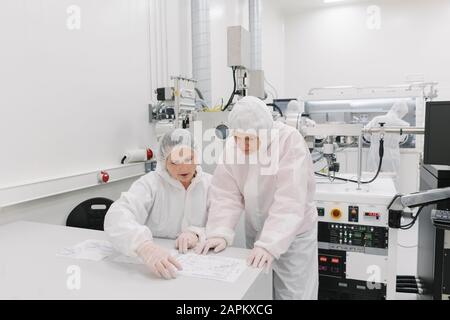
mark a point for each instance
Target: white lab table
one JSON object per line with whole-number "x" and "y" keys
{"x": 31, "y": 269}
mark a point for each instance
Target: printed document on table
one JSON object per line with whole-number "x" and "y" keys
{"x": 211, "y": 267}
{"x": 95, "y": 250}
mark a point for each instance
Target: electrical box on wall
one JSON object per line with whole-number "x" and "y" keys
{"x": 238, "y": 47}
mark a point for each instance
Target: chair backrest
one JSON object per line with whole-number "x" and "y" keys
{"x": 89, "y": 214}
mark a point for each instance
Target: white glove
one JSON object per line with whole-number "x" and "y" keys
{"x": 259, "y": 258}
{"x": 186, "y": 241}
{"x": 218, "y": 244}
{"x": 159, "y": 260}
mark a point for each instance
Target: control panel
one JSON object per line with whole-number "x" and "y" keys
{"x": 332, "y": 263}
{"x": 357, "y": 255}
{"x": 441, "y": 218}
{"x": 352, "y": 214}
{"x": 354, "y": 235}
{"x": 334, "y": 283}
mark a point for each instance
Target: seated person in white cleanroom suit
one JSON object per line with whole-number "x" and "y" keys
{"x": 168, "y": 203}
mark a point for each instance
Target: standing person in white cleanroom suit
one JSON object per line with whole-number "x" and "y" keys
{"x": 391, "y": 158}
{"x": 169, "y": 203}
{"x": 281, "y": 217}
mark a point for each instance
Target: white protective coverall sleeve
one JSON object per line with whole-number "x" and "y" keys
{"x": 226, "y": 205}
{"x": 391, "y": 160}
{"x": 287, "y": 211}
{"x": 125, "y": 220}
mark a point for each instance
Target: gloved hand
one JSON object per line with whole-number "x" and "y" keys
{"x": 259, "y": 257}
{"x": 159, "y": 260}
{"x": 186, "y": 241}
{"x": 218, "y": 244}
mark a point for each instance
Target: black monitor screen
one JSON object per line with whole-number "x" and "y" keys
{"x": 437, "y": 133}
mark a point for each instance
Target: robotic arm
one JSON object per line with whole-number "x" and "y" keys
{"x": 420, "y": 199}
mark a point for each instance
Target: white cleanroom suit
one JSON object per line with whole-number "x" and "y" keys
{"x": 279, "y": 207}
{"x": 158, "y": 205}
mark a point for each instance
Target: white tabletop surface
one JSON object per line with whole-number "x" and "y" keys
{"x": 31, "y": 269}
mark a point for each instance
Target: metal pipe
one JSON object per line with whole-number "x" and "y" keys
{"x": 407, "y": 87}
{"x": 418, "y": 199}
{"x": 359, "y": 169}
{"x": 255, "y": 34}
{"x": 201, "y": 47}
{"x": 426, "y": 197}
{"x": 405, "y": 130}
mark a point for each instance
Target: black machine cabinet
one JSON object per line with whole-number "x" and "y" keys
{"x": 434, "y": 242}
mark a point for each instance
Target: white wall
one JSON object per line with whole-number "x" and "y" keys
{"x": 74, "y": 101}
{"x": 333, "y": 46}
{"x": 274, "y": 47}
{"x": 71, "y": 100}
{"x": 175, "y": 44}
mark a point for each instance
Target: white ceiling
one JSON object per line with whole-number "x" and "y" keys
{"x": 292, "y": 6}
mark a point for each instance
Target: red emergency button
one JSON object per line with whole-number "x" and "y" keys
{"x": 149, "y": 154}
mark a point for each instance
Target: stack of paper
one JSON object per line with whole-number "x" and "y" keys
{"x": 211, "y": 267}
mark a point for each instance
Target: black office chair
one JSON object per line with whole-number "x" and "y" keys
{"x": 89, "y": 214}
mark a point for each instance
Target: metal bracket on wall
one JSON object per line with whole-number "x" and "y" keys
{"x": 18, "y": 194}
{"x": 150, "y": 166}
